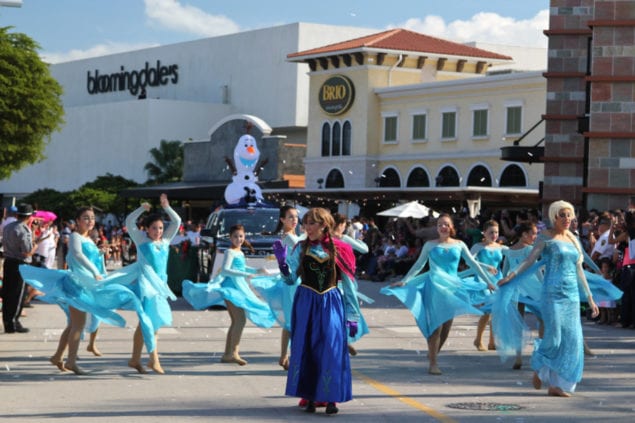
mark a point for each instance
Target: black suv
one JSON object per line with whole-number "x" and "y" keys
{"x": 260, "y": 224}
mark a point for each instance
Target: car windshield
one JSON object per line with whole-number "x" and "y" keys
{"x": 256, "y": 221}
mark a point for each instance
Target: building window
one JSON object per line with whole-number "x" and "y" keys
{"x": 390, "y": 128}
{"x": 447, "y": 177}
{"x": 346, "y": 139}
{"x": 334, "y": 179}
{"x": 479, "y": 177}
{"x": 389, "y": 178}
{"x": 448, "y": 125}
{"x": 337, "y": 139}
{"x": 418, "y": 178}
{"x": 479, "y": 128}
{"x": 514, "y": 120}
{"x": 419, "y": 127}
{"x": 513, "y": 176}
{"x": 326, "y": 140}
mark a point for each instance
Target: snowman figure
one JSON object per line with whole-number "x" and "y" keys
{"x": 246, "y": 157}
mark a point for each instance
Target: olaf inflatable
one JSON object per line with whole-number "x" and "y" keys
{"x": 243, "y": 183}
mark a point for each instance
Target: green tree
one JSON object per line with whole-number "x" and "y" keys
{"x": 166, "y": 164}
{"x": 100, "y": 193}
{"x": 30, "y": 104}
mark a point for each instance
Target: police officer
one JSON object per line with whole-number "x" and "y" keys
{"x": 18, "y": 247}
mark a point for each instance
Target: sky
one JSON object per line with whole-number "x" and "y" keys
{"x": 76, "y": 29}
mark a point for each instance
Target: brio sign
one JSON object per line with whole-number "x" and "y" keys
{"x": 336, "y": 95}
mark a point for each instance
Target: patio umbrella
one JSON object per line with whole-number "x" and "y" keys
{"x": 45, "y": 215}
{"x": 411, "y": 209}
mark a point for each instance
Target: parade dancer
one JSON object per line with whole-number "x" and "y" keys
{"x": 319, "y": 365}
{"x": 153, "y": 248}
{"x": 437, "y": 296}
{"x": 232, "y": 286}
{"x": 558, "y": 358}
{"x": 84, "y": 288}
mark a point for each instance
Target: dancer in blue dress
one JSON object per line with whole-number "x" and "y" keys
{"x": 558, "y": 358}
{"x": 437, "y": 296}
{"x": 489, "y": 252}
{"x": 84, "y": 288}
{"x": 276, "y": 292}
{"x": 511, "y": 299}
{"x": 153, "y": 248}
{"x": 319, "y": 366}
{"x": 349, "y": 287}
{"x": 232, "y": 286}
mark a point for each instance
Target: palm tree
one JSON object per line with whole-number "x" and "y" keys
{"x": 166, "y": 164}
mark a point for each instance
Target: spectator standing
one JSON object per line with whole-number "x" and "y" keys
{"x": 18, "y": 248}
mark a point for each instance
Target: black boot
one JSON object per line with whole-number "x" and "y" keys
{"x": 331, "y": 408}
{"x": 310, "y": 407}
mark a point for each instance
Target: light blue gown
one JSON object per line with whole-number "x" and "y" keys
{"x": 275, "y": 292}
{"x": 352, "y": 296}
{"x": 558, "y": 357}
{"x": 438, "y": 295}
{"x": 230, "y": 285}
{"x": 150, "y": 270}
{"x": 78, "y": 288}
{"x": 508, "y": 324}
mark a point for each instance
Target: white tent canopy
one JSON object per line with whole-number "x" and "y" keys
{"x": 411, "y": 209}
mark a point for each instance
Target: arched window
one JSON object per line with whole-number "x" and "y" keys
{"x": 337, "y": 139}
{"x": 326, "y": 140}
{"x": 479, "y": 177}
{"x": 334, "y": 179}
{"x": 346, "y": 139}
{"x": 513, "y": 176}
{"x": 418, "y": 178}
{"x": 390, "y": 178}
{"x": 447, "y": 177}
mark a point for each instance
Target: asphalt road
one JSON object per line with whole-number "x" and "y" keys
{"x": 390, "y": 380}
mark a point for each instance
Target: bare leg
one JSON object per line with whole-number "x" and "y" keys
{"x": 238, "y": 320}
{"x": 491, "y": 345}
{"x": 58, "y": 358}
{"x": 137, "y": 347}
{"x": 154, "y": 363}
{"x": 480, "y": 329}
{"x": 445, "y": 332}
{"x": 434, "y": 343}
{"x": 78, "y": 320}
{"x": 284, "y": 349}
{"x": 92, "y": 347}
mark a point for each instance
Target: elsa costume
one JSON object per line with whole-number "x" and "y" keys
{"x": 439, "y": 295}
{"x": 78, "y": 288}
{"x": 231, "y": 285}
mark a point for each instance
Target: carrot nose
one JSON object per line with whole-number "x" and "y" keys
{"x": 250, "y": 149}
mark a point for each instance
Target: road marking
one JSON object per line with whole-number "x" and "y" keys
{"x": 408, "y": 401}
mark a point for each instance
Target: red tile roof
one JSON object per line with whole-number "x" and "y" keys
{"x": 402, "y": 40}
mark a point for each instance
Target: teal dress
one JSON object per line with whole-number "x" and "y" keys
{"x": 78, "y": 288}
{"x": 438, "y": 295}
{"x": 149, "y": 272}
{"x": 558, "y": 357}
{"x": 230, "y": 285}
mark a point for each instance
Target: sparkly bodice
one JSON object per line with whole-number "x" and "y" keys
{"x": 446, "y": 257}
{"x": 561, "y": 278}
{"x": 490, "y": 256}
{"x": 318, "y": 270}
{"x": 156, "y": 256}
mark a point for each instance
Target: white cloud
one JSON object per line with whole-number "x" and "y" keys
{"x": 487, "y": 28}
{"x": 95, "y": 51}
{"x": 183, "y": 18}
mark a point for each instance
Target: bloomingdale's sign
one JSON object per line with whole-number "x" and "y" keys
{"x": 133, "y": 81}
